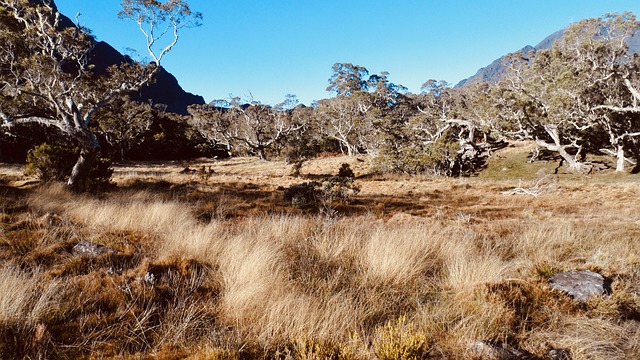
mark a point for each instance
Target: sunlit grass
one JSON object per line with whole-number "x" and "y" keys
{"x": 430, "y": 265}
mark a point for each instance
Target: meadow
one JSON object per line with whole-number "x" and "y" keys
{"x": 208, "y": 259}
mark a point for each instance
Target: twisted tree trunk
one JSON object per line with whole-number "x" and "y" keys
{"x": 89, "y": 149}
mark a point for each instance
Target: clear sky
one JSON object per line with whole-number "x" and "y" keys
{"x": 270, "y": 48}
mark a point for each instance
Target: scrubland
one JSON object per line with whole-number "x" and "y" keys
{"x": 216, "y": 264}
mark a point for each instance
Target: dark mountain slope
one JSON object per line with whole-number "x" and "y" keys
{"x": 164, "y": 90}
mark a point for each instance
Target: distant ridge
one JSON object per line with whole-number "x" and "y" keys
{"x": 493, "y": 72}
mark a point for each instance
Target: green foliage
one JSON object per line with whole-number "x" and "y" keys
{"x": 50, "y": 163}
{"x": 437, "y": 158}
{"x": 307, "y": 349}
{"x": 340, "y": 187}
{"x": 398, "y": 340}
{"x": 347, "y": 79}
{"x": 54, "y": 163}
{"x": 302, "y": 195}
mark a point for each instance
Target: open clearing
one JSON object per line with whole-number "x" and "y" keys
{"x": 207, "y": 259}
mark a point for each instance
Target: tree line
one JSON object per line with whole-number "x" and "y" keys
{"x": 577, "y": 99}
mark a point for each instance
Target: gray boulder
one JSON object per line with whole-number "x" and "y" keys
{"x": 580, "y": 285}
{"x": 498, "y": 351}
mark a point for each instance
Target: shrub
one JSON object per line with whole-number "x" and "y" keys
{"x": 54, "y": 163}
{"x": 345, "y": 171}
{"x": 398, "y": 340}
{"x": 324, "y": 194}
{"x": 303, "y": 195}
{"x": 441, "y": 157}
{"x": 340, "y": 187}
{"x": 49, "y": 163}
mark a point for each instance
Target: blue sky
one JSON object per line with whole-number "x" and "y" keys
{"x": 270, "y": 48}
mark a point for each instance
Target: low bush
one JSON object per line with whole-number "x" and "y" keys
{"x": 52, "y": 163}
{"x": 323, "y": 195}
{"x": 398, "y": 340}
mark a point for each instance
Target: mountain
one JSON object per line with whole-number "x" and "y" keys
{"x": 164, "y": 90}
{"x": 494, "y": 71}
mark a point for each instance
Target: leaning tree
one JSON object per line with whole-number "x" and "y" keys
{"x": 46, "y": 74}
{"x": 581, "y": 95}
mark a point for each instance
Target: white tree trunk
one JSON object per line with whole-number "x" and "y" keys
{"x": 561, "y": 149}
{"x": 82, "y": 167}
{"x": 620, "y": 158}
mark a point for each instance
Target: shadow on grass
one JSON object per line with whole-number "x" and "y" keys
{"x": 230, "y": 200}
{"x": 13, "y": 199}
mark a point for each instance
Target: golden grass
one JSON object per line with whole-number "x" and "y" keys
{"x": 25, "y": 298}
{"x": 414, "y": 266}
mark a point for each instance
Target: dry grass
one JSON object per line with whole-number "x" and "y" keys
{"x": 222, "y": 267}
{"x": 25, "y": 298}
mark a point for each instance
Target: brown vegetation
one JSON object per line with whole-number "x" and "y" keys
{"x": 215, "y": 264}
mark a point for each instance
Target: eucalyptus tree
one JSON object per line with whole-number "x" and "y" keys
{"x": 601, "y": 49}
{"x": 250, "y": 125}
{"x": 580, "y": 95}
{"x": 344, "y": 119}
{"x": 348, "y": 79}
{"x": 361, "y": 110}
{"x": 547, "y": 105}
{"x": 123, "y": 123}
{"x": 453, "y": 126}
{"x": 47, "y": 76}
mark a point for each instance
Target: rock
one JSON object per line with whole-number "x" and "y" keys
{"x": 498, "y": 351}
{"x": 86, "y": 248}
{"x": 559, "y": 354}
{"x": 580, "y": 285}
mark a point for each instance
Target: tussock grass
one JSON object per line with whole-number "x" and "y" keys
{"x": 24, "y": 298}
{"x": 421, "y": 267}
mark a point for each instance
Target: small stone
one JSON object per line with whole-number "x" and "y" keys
{"x": 559, "y": 354}
{"x": 580, "y": 285}
{"x": 498, "y": 351}
{"x": 87, "y": 248}
{"x": 149, "y": 279}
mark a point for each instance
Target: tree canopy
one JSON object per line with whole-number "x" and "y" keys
{"x": 47, "y": 76}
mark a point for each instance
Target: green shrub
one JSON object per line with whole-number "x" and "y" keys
{"x": 441, "y": 157}
{"x": 345, "y": 171}
{"x": 303, "y": 195}
{"x": 55, "y": 162}
{"x": 50, "y": 163}
{"x": 341, "y": 187}
{"x": 302, "y": 349}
